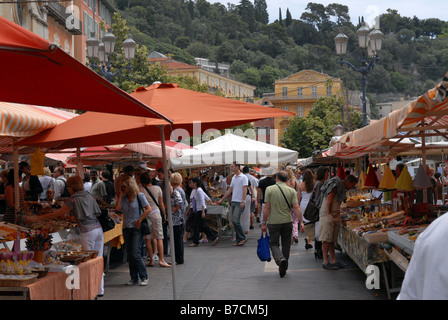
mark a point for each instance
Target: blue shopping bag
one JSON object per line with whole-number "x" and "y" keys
{"x": 263, "y": 249}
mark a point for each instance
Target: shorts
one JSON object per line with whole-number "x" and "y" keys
{"x": 329, "y": 228}
{"x": 310, "y": 231}
{"x": 157, "y": 231}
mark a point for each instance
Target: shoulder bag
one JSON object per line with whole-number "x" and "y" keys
{"x": 146, "y": 225}
{"x": 106, "y": 222}
{"x": 155, "y": 201}
{"x": 312, "y": 211}
{"x": 289, "y": 206}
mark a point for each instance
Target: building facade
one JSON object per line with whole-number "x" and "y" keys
{"x": 299, "y": 92}
{"x": 231, "y": 88}
{"x": 65, "y": 23}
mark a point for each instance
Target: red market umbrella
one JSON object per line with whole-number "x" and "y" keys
{"x": 36, "y": 72}
{"x": 192, "y": 113}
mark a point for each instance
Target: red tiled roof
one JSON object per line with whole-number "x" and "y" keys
{"x": 172, "y": 65}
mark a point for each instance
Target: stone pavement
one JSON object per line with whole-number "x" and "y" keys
{"x": 225, "y": 272}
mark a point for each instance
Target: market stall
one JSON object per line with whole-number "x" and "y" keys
{"x": 230, "y": 147}
{"x": 384, "y": 232}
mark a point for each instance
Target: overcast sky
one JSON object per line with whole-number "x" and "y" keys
{"x": 368, "y": 9}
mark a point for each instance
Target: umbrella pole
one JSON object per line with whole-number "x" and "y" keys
{"x": 168, "y": 209}
{"x": 443, "y": 180}
{"x": 15, "y": 149}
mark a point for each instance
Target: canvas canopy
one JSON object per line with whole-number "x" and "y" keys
{"x": 428, "y": 112}
{"x": 230, "y": 147}
{"x": 192, "y": 113}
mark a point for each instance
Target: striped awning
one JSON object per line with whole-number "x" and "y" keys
{"x": 428, "y": 112}
{"x": 20, "y": 121}
{"x": 127, "y": 152}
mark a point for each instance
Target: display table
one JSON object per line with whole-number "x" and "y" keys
{"x": 220, "y": 212}
{"x": 359, "y": 249}
{"x": 53, "y": 285}
{"x": 115, "y": 236}
{"x": 112, "y": 238}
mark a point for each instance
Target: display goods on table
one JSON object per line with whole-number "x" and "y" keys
{"x": 29, "y": 249}
{"x": 376, "y": 233}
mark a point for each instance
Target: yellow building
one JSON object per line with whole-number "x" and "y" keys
{"x": 231, "y": 88}
{"x": 298, "y": 93}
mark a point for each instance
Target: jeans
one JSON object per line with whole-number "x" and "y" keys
{"x": 236, "y": 220}
{"x": 283, "y": 232}
{"x": 179, "y": 243}
{"x": 133, "y": 240}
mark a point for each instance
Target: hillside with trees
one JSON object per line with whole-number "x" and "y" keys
{"x": 413, "y": 59}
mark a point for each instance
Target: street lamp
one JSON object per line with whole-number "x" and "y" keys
{"x": 370, "y": 42}
{"x": 103, "y": 51}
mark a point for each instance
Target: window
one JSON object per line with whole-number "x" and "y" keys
{"x": 300, "y": 91}
{"x": 300, "y": 111}
{"x": 314, "y": 91}
{"x": 285, "y": 91}
{"x": 285, "y": 108}
{"x": 329, "y": 90}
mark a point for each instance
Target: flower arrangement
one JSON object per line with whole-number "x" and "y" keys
{"x": 38, "y": 240}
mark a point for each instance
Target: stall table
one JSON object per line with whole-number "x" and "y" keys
{"x": 112, "y": 238}
{"x": 53, "y": 285}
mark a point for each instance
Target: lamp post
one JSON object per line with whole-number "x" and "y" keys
{"x": 103, "y": 51}
{"x": 370, "y": 42}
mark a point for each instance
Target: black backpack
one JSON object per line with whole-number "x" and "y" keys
{"x": 65, "y": 193}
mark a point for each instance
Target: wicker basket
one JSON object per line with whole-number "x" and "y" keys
{"x": 18, "y": 280}
{"x": 41, "y": 273}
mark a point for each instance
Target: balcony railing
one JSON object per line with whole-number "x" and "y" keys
{"x": 59, "y": 13}
{"x": 297, "y": 97}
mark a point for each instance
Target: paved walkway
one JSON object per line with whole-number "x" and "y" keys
{"x": 225, "y": 272}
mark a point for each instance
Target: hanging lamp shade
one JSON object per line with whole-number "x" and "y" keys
{"x": 421, "y": 180}
{"x": 362, "y": 179}
{"x": 341, "y": 172}
{"x": 404, "y": 181}
{"x": 371, "y": 179}
{"x": 388, "y": 180}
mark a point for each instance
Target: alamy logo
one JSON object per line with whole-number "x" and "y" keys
{"x": 72, "y": 21}
{"x": 373, "y": 277}
{"x": 72, "y": 281}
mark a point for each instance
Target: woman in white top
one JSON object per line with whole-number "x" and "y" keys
{"x": 305, "y": 191}
{"x": 199, "y": 210}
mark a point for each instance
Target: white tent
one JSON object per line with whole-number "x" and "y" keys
{"x": 228, "y": 148}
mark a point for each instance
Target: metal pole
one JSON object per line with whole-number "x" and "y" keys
{"x": 168, "y": 209}
{"x": 364, "y": 106}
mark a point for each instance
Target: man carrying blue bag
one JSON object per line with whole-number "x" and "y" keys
{"x": 279, "y": 200}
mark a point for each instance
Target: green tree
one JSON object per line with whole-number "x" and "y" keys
{"x": 142, "y": 73}
{"x": 288, "y": 19}
{"x": 314, "y": 132}
{"x": 261, "y": 11}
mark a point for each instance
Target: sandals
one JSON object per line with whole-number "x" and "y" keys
{"x": 164, "y": 265}
{"x": 241, "y": 243}
{"x": 193, "y": 245}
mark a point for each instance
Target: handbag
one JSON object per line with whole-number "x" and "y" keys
{"x": 146, "y": 225}
{"x": 263, "y": 251}
{"x": 106, "y": 222}
{"x": 312, "y": 211}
